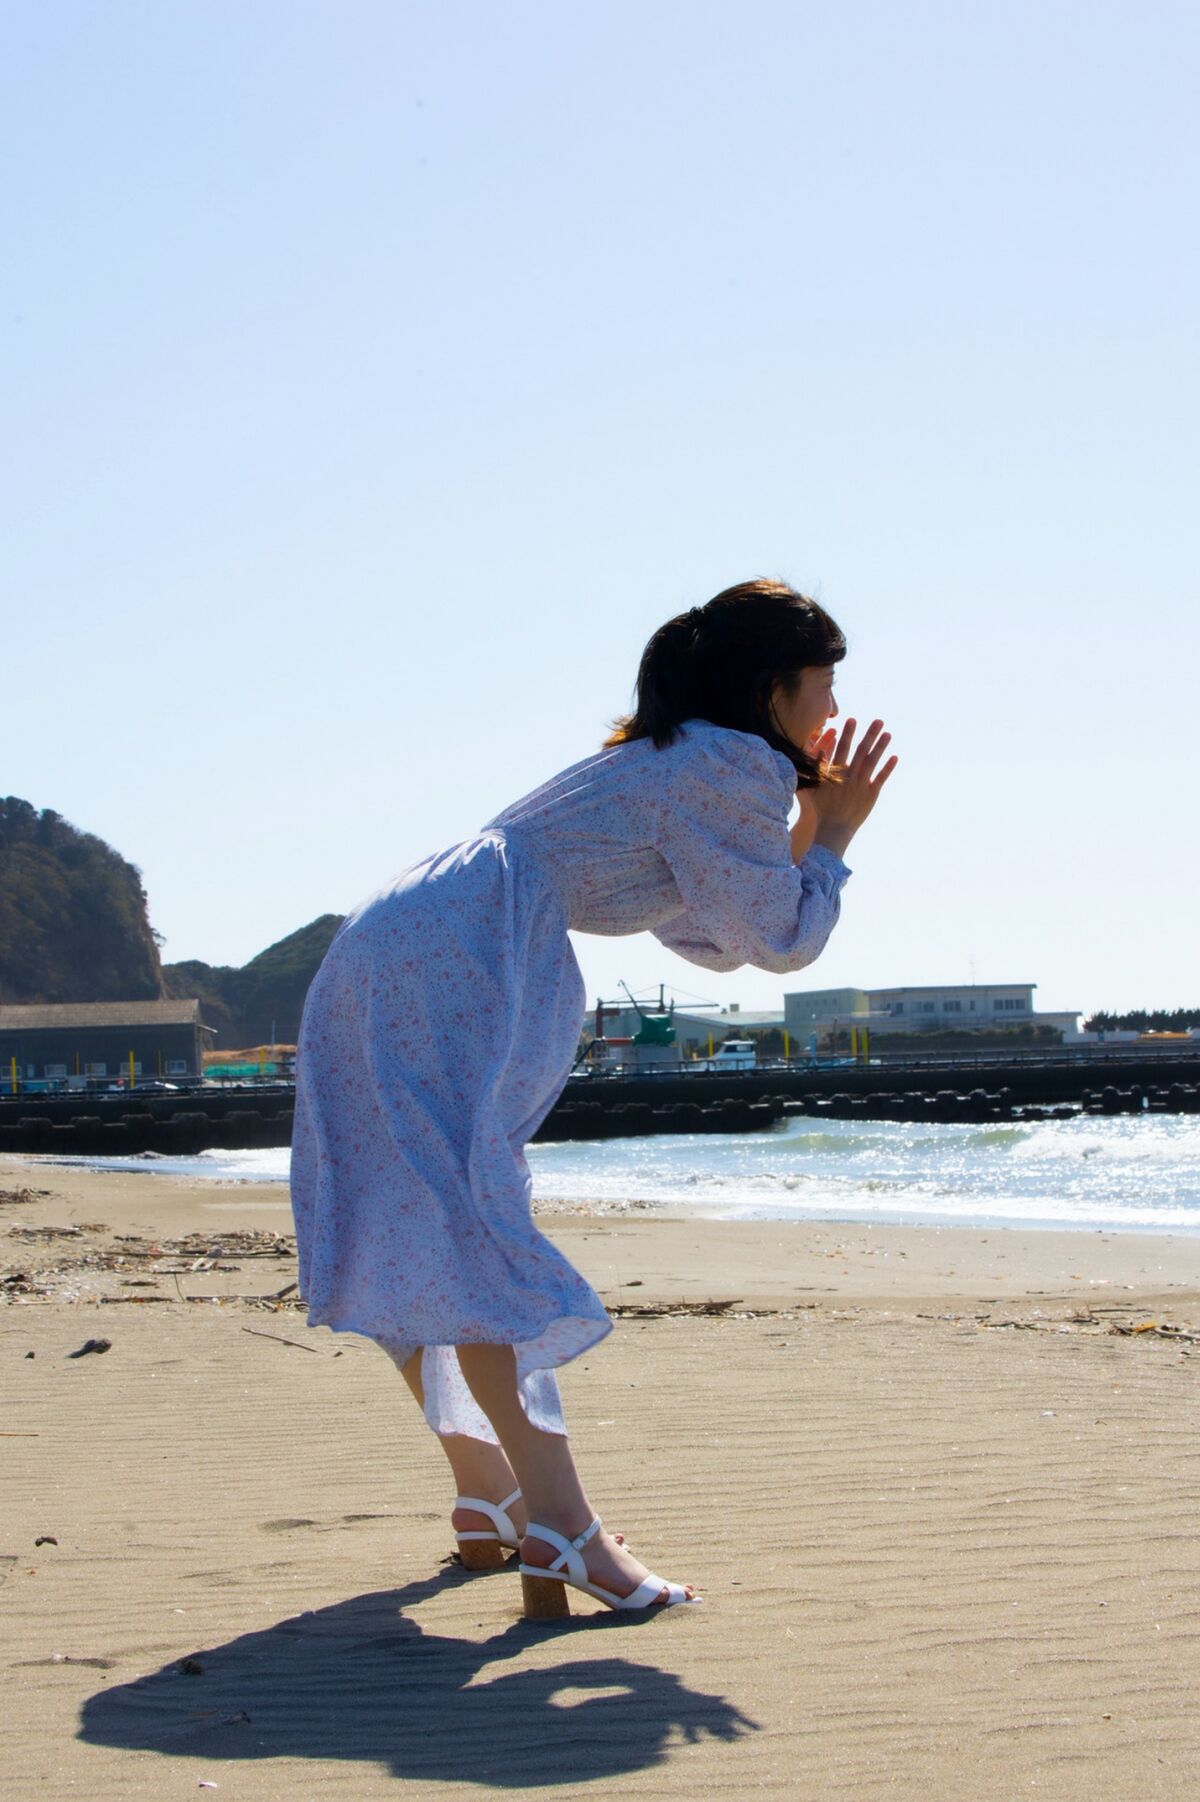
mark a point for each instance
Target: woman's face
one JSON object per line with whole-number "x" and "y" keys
{"x": 803, "y": 704}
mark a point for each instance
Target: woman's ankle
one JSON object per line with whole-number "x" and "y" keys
{"x": 568, "y": 1523}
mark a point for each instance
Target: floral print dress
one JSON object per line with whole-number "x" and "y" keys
{"x": 445, "y": 1018}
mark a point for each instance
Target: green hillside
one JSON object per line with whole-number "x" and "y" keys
{"x": 74, "y": 927}
{"x": 260, "y": 1002}
{"x": 73, "y": 921}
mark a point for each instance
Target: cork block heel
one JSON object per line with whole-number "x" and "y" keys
{"x": 544, "y": 1598}
{"x": 481, "y": 1554}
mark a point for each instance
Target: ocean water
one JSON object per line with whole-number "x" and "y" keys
{"x": 1132, "y": 1173}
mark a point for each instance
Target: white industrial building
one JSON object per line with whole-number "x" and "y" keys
{"x": 815, "y": 1010}
{"x": 930, "y": 1007}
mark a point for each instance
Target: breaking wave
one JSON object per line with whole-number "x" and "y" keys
{"x": 1137, "y": 1172}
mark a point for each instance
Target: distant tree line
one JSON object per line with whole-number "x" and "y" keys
{"x": 955, "y": 1038}
{"x": 1140, "y": 1019}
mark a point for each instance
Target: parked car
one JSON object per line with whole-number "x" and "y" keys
{"x": 734, "y": 1054}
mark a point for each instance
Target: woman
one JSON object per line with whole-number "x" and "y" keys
{"x": 445, "y": 1018}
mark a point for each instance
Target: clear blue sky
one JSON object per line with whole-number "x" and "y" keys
{"x": 378, "y": 376}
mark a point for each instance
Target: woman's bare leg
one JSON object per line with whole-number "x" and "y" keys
{"x": 545, "y": 1469}
{"x": 479, "y": 1467}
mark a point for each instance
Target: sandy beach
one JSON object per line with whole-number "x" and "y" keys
{"x": 938, "y": 1488}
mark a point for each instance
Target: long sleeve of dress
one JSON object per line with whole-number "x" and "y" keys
{"x": 725, "y": 836}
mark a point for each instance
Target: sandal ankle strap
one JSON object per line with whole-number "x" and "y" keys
{"x": 568, "y": 1550}
{"x": 577, "y": 1545}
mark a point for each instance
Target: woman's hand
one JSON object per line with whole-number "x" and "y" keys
{"x": 853, "y": 779}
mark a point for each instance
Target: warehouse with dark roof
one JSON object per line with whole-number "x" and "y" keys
{"x": 71, "y": 1044}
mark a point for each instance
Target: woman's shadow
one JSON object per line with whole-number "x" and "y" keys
{"x": 362, "y": 1681}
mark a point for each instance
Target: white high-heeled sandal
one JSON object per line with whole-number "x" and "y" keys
{"x": 569, "y": 1569}
{"x": 484, "y": 1550}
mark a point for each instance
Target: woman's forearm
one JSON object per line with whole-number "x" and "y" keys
{"x": 803, "y": 832}
{"x": 809, "y": 831}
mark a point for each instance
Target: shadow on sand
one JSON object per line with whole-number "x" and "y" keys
{"x": 360, "y": 1681}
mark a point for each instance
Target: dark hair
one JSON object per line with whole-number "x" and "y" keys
{"x": 720, "y": 662}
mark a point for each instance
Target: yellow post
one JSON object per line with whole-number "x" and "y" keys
{"x": 13, "y": 1075}
{"x": 854, "y": 1043}
{"x": 787, "y": 1044}
{"x": 131, "y": 1069}
{"x": 709, "y": 1048}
